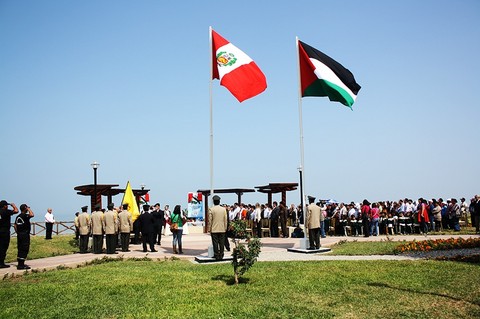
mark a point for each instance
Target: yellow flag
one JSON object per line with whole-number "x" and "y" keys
{"x": 129, "y": 198}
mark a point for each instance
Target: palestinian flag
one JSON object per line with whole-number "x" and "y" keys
{"x": 320, "y": 75}
{"x": 236, "y": 70}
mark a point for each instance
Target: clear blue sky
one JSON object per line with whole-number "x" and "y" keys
{"x": 126, "y": 83}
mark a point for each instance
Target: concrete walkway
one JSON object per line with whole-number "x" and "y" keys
{"x": 273, "y": 249}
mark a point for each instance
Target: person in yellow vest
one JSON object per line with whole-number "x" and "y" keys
{"x": 217, "y": 227}
{"x": 313, "y": 223}
{"x": 110, "y": 224}
{"x": 126, "y": 226}
{"x": 75, "y": 222}
{"x": 97, "y": 230}
{"x": 83, "y": 225}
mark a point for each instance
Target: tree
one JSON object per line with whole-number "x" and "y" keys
{"x": 245, "y": 253}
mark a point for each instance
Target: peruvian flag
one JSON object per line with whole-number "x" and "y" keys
{"x": 236, "y": 70}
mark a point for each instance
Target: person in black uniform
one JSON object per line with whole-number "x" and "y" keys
{"x": 159, "y": 221}
{"x": 22, "y": 227}
{"x": 146, "y": 227}
{"x": 283, "y": 219}
{"x": 5, "y": 222}
{"x": 274, "y": 215}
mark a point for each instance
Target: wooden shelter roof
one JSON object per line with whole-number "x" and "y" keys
{"x": 206, "y": 192}
{"x": 277, "y": 187}
{"x": 106, "y": 190}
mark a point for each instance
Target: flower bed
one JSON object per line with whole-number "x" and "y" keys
{"x": 437, "y": 244}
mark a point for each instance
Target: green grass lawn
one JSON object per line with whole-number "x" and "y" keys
{"x": 180, "y": 289}
{"x": 41, "y": 248}
{"x": 356, "y": 248}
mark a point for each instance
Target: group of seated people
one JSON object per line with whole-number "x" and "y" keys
{"x": 384, "y": 218}
{"x": 395, "y": 218}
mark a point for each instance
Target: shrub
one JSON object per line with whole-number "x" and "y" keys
{"x": 245, "y": 253}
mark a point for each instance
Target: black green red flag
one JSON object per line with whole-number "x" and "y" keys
{"x": 320, "y": 75}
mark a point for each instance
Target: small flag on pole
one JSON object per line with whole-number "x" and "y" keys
{"x": 129, "y": 198}
{"x": 320, "y": 75}
{"x": 236, "y": 70}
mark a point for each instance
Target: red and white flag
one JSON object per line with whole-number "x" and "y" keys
{"x": 236, "y": 70}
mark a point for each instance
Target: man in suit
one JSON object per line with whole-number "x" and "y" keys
{"x": 274, "y": 215}
{"x": 126, "y": 226}
{"x": 83, "y": 225}
{"x": 110, "y": 224}
{"x": 283, "y": 219}
{"x": 313, "y": 223}
{"x": 146, "y": 228}
{"x": 96, "y": 224}
{"x": 217, "y": 226}
{"x": 159, "y": 220}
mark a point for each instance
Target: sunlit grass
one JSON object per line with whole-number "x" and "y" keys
{"x": 180, "y": 289}
{"x": 352, "y": 248}
{"x": 41, "y": 248}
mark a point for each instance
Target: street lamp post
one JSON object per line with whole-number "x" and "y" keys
{"x": 95, "y": 166}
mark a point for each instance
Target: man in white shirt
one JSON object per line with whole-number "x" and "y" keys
{"x": 352, "y": 213}
{"x": 49, "y": 221}
{"x": 237, "y": 211}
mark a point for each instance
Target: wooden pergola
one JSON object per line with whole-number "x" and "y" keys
{"x": 274, "y": 188}
{"x": 107, "y": 190}
{"x": 238, "y": 191}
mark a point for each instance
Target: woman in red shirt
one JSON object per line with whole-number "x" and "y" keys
{"x": 374, "y": 216}
{"x": 422, "y": 215}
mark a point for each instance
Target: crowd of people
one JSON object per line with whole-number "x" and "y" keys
{"x": 366, "y": 219}
{"x": 400, "y": 217}
{"x": 115, "y": 224}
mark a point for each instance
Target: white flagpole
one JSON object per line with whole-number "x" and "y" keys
{"x": 211, "y": 114}
{"x": 303, "y": 243}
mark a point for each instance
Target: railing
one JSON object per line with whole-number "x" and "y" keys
{"x": 58, "y": 228}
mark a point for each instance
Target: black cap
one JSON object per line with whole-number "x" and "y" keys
{"x": 84, "y": 208}
{"x": 311, "y": 199}
{"x": 216, "y": 197}
{"x": 125, "y": 206}
{"x": 98, "y": 206}
{"x": 23, "y": 207}
{"x": 111, "y": 205}
{"x": 146, "y": 207}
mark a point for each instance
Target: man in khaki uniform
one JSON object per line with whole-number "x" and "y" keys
{"x": 83, "y": 225}
{"x": 97, "y": 230}
{"x": 313, "y": 223}
{"x": 217, "y": 227}
{"x": 110, "y": 224}
{"x": 126, "y": 226}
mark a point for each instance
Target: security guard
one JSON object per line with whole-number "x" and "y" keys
{"x": 217, "y": 227}
{"x": 110, "y": 224}
{"x": 97, "y": 230}
{"x": 5, "y": 218}
{"x": 313, "y": 223}
{"x": 126, "y": 226}
{"x": 22, "y": 227}
{"x": 83, "y": 225}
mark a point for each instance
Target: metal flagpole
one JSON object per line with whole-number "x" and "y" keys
{"x": 211, "y": 115}
{"x": 210, "y": 247}
{"x": 303, "y": 242}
